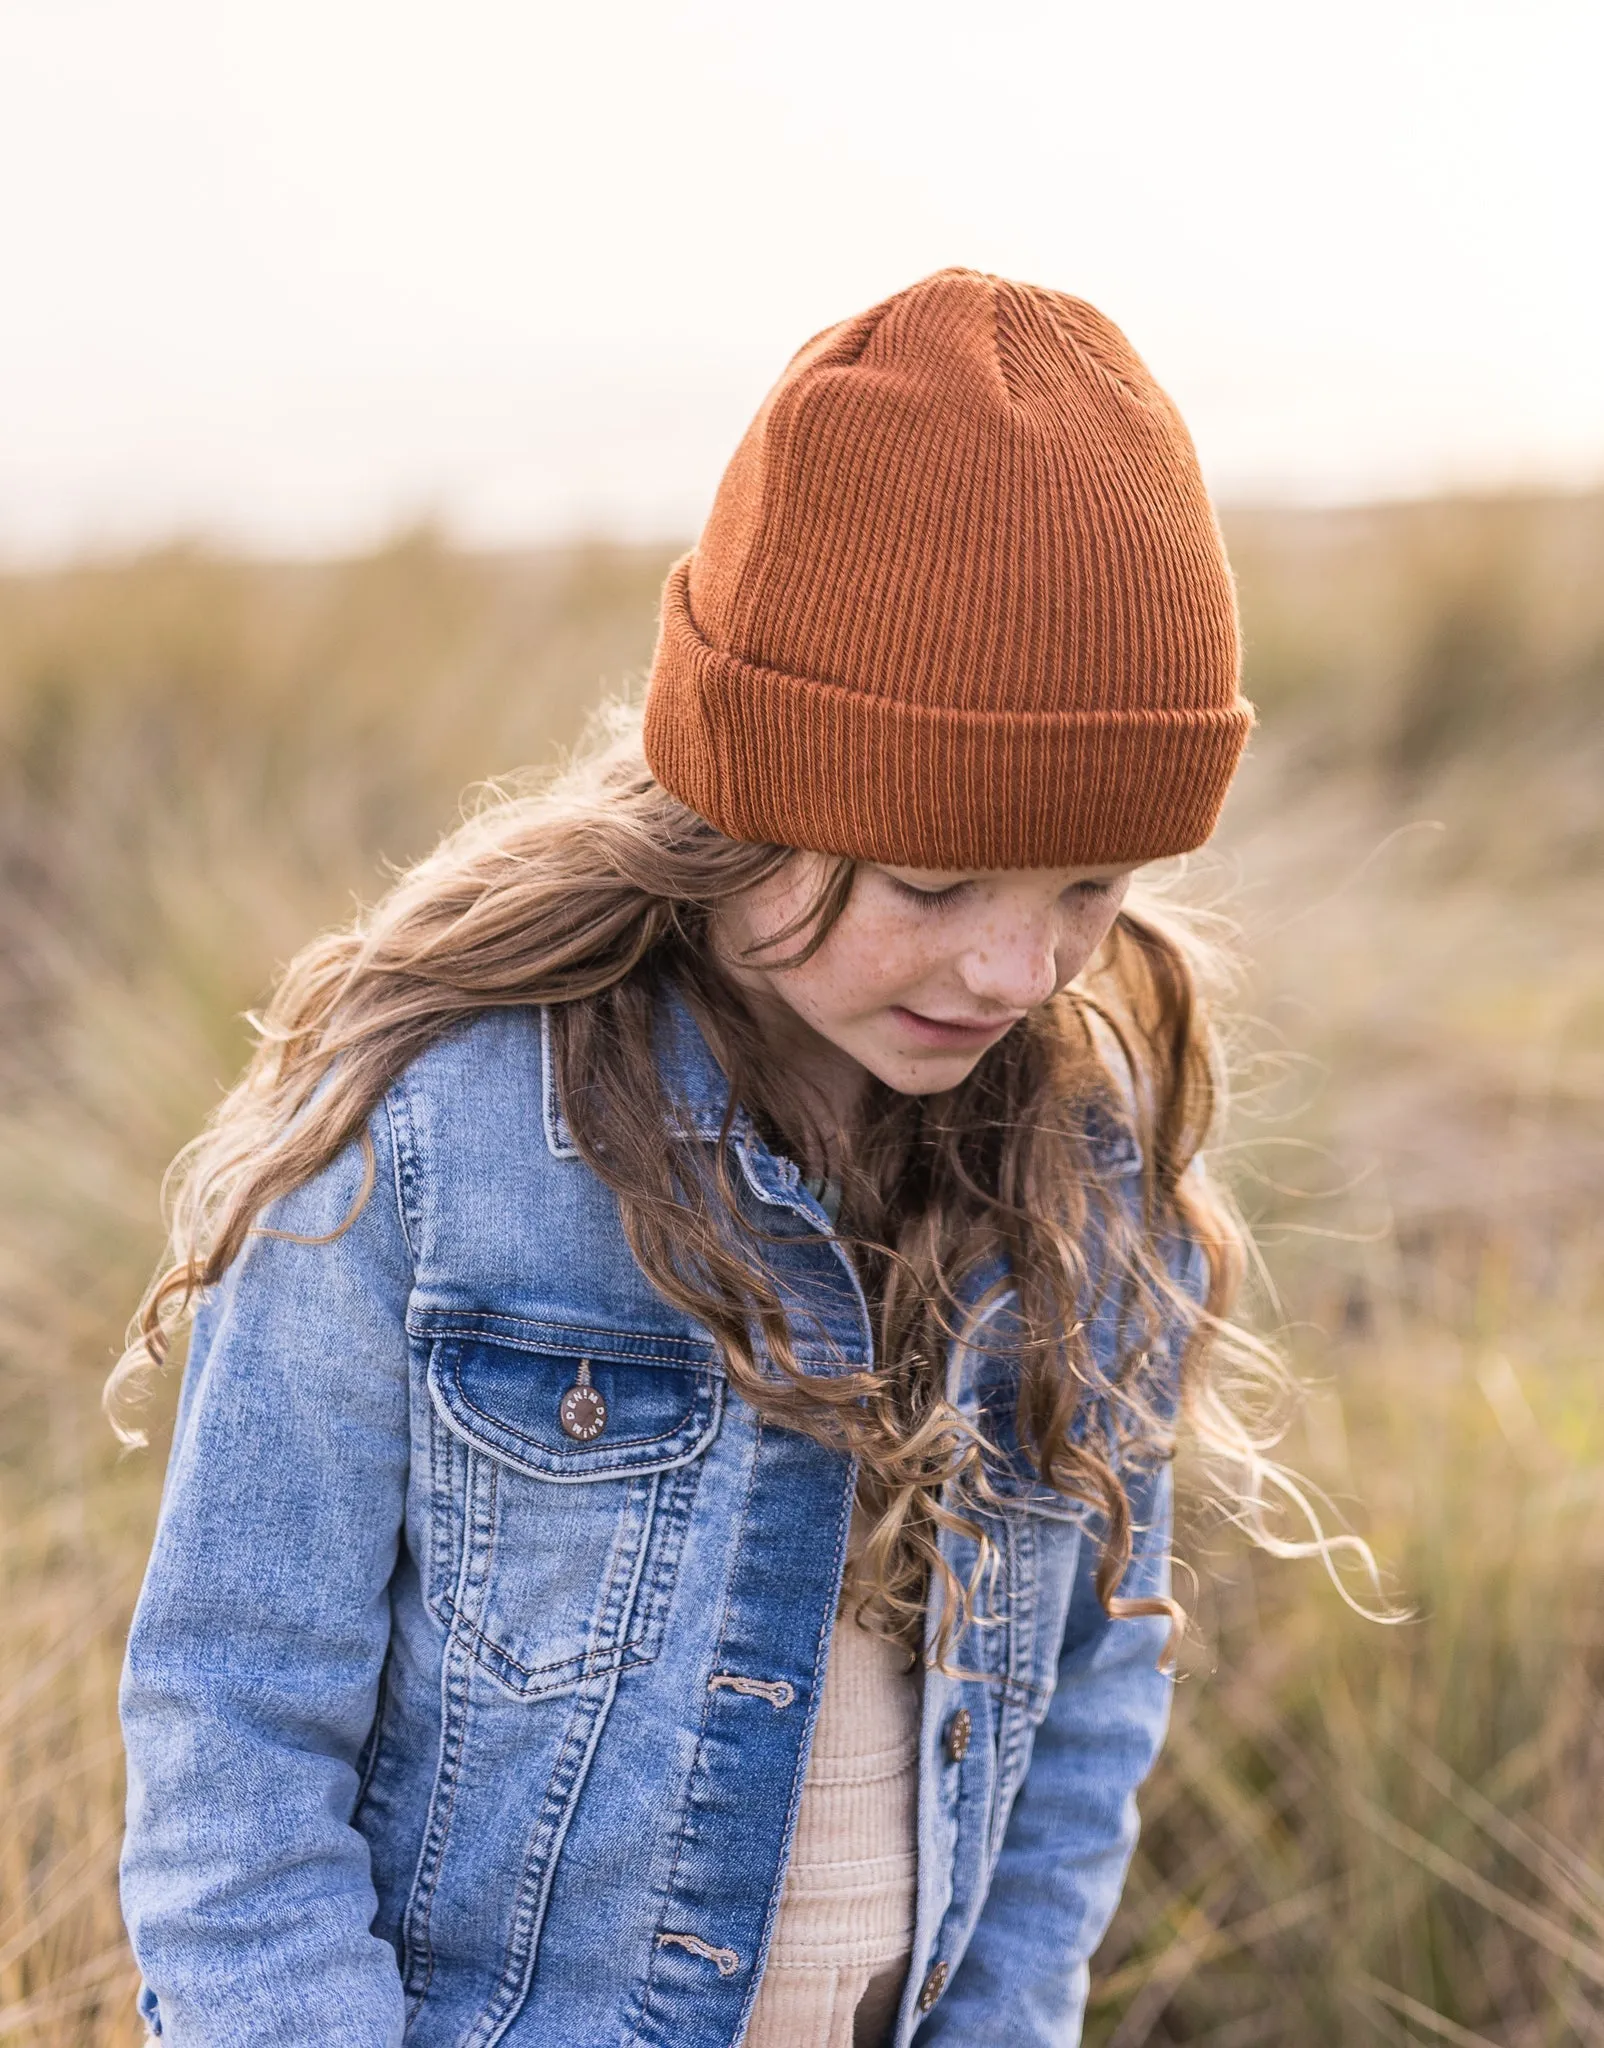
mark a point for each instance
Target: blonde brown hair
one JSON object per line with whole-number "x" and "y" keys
{"x": 593, "y": 892}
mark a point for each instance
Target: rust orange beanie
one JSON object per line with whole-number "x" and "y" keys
{"x": 961, "y": 601}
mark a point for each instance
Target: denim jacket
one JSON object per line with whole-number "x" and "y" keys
{"x": 448, "y": 1727}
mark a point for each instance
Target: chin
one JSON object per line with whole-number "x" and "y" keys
{"x": 925, "y": 1077}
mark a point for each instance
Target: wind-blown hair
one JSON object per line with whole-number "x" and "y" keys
{"x": 593, "y": 893}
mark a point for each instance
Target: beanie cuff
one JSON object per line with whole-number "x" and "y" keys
{"x": 791, "y": 761}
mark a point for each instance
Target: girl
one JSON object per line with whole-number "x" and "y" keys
{"x": 666, "y": 1536}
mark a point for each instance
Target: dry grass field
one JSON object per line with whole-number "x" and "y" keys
{"x": 1360, "y": 1833}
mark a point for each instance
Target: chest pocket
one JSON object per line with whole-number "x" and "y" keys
{"x": 553, "y": 1550}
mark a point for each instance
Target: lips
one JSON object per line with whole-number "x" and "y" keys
{"x": 957, "y": 1032}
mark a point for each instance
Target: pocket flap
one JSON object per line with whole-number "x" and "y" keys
{"x": 509, "y": 1401}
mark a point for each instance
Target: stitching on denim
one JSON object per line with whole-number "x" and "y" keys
{"x": 724, "y": 1960}
{"x": 606, "y": 1579}
{"x": 661, "y": 1539}
{"x": 587, "y": 1717}
{"x": 1015, "y": 1719}
{"x": 455, "y": 1713}
{"x": 779, "y": 1692}
{"x": 444, "y": 1559}
{"x": 581, "y": 1340}
{"x": 634, "y": 1532}
{"x": 587, "y": 1664}
{"x": 587, "y": 1341}
{"x": 453, "y": 1746}
{"x": 405, "y": 1170}
{"x": 677, "y": 1487}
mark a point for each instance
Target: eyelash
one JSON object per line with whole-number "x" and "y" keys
{"x": 939, "y": 899}
{"x": 928, "y": 899}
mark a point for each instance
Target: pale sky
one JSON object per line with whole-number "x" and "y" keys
{"x": 288, "y": 274}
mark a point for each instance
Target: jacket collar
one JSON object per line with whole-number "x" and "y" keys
{"x": 698, "y": 1088}
{"x": 694, "y": 1081}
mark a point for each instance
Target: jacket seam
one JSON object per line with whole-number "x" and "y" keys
{"x": 542, "y": 1850}
{"x": 454, "y": 1324}
{"x": 588, "y": 1664}
{"x": 456, "y": 1704}
{"x": 406, "y": 1171}
{"x": 446, "y": 1450}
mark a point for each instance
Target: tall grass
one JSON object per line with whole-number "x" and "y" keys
{"x": 1359, "y": 1833}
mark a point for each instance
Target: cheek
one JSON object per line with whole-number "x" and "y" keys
{"x": 863, "y": 964}
{"x": 1084, "y": 932}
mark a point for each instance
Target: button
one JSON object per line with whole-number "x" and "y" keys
{"x": 933, "y": 1986}
{"x": 959, "y": 1730}
{"x": 582, "y": 1412}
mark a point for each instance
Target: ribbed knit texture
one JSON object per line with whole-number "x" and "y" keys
{"x": 961, "y": 601}
{"x": 841, "y": 1944}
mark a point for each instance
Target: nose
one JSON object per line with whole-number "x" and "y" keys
{"x": 1014, "y": 965}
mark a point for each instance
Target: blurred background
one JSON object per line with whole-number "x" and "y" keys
{"x": 362, "y": 369}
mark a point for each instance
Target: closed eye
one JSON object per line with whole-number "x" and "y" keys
{"x": 928, "y": 899}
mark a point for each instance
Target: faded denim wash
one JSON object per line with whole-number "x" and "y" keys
{"x": 447, "y": 1729}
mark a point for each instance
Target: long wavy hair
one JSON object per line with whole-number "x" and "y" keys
{"x": 592, "y": 893}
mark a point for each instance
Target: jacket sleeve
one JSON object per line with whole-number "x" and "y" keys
{"x": 253, "y": 1664}
{"x": 1023, "y": 1980}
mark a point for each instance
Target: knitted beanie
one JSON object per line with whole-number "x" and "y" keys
{"x": 961, "y": 602}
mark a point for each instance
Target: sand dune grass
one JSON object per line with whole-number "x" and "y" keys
{"x": 1359, "y": 1834}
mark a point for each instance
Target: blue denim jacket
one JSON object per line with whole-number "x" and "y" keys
{"x": 445, "y": 1727}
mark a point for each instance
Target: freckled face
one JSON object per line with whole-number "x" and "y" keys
{"x": 923, "y": 971}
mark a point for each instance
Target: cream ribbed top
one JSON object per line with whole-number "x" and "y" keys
{"x": 845, "y": 1930}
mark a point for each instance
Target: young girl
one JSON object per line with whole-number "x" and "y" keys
{"x": 666, "y": 1537}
